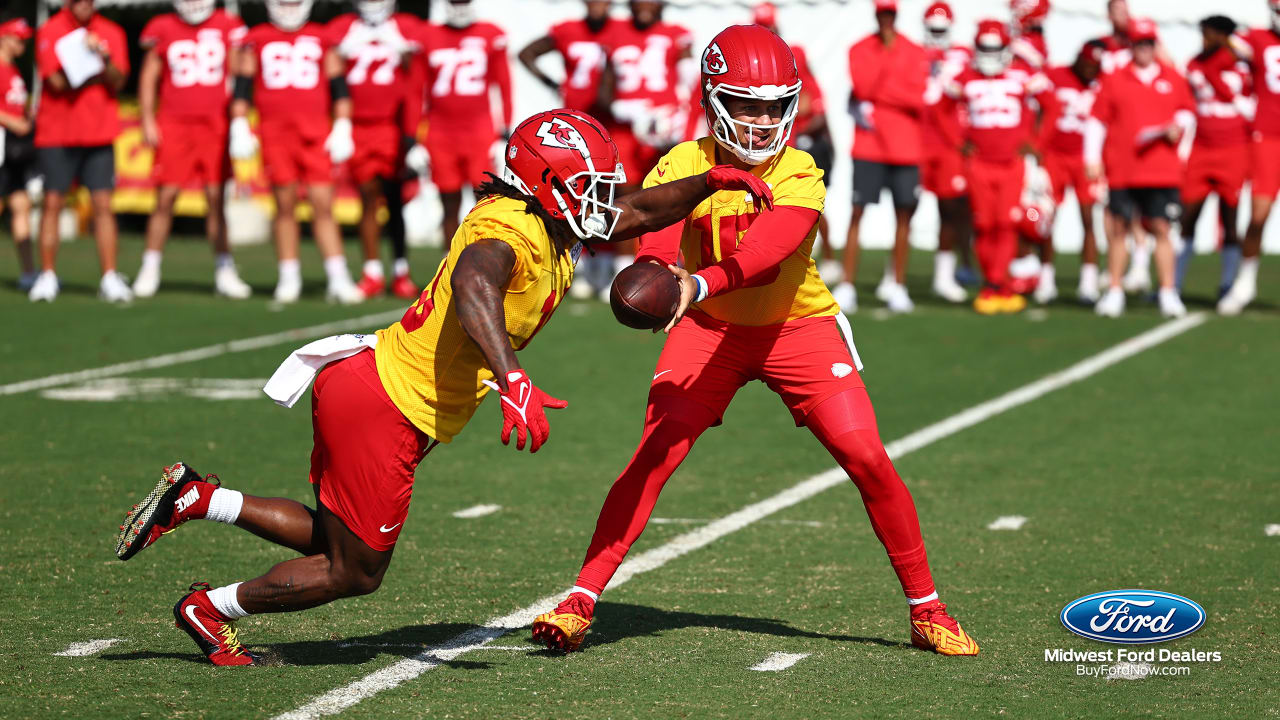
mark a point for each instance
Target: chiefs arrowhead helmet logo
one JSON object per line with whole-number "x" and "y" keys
{"x": 558, "y": 133}
{"x": 713, "y": 61}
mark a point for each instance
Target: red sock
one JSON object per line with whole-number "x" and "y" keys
{"x": 671, "y": 426}
{"x": 845, "y": 424}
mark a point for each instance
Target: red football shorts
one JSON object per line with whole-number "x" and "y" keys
{"x": 995, "y": 192}
{"x": 377, "y": 150}
{"x": 365, "y": 450}
{"x": 1216, "y": 169}
{"x": 1266, "y": 166}
{"x": 1066, "y": 170}
{"x": 637, "y": 158}
{"x": 458, "y": 159}
{"x": 293, "y": 151}
{"x": 942, "y": 174}
{"x": 804, "y": 361}
{"x": 192, "y": 151}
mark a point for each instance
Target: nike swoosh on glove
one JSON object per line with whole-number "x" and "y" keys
{"x": 728, "y": 177}
{"x": 340, "y": 144}
{"x": 523, "y": 410}
{"x": 241, "y": 144}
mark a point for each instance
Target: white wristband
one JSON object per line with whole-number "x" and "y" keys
{"x": 702, "y": 288}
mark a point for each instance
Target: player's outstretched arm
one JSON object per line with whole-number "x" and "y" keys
{"x": 656, "y": 207}
{"x": 529, "y": 59}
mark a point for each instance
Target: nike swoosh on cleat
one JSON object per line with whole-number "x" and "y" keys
{"x": 660, "y": 374}
{"x": 384, "y": 528}
{"x": 190, "y": 611}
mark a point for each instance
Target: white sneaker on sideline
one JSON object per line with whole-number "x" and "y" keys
{"x": 46, "y": 287}
{"x": 288, "y": 290}
{"x": 113, "y": 288}
{"x": 846, "y": 296}
{"x": 1046, "y": 290}
{"x": 946, "y": 287}
{"x": 1087, "y": 291}
{"x": 147, "y": 282}
{"x": 830, "y": 271}
{"x": 1170, "y": 304}
{"x": 580, "y": 289}
{"x": 343, "y": 293}
{"x": 898, "y": 300}
{"x": 1111, "y": 304}
{"x": 1138, "y": 279}
{"x": 887, "y": 281}
{"x": 227, "y": 283}
{"x": 1242, "y": 293}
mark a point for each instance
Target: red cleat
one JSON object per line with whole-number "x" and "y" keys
{"x": 404, "y": 287}
{"x": 213, "y": 633}
{"x": 933, "y": 629}
{"x": 181, "y": 495}
{"x": 371, "y": 286}
{"x": 565, "y": 627}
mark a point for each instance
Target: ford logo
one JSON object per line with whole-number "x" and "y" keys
{"x": 1132, "y": 616}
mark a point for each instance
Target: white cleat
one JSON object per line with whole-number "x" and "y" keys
{"x": 948, "y": 289}
{"x": 885, "y": 287}
{"x": 288, "y": 290}
{"x": 581, "y": 289}
{"x": 343, "y": 293}
{"x": 1170, "y": 304}
{"x": 45, "y": 288}
{"x": 1087, "y": 291}
{"x": 114, "y": 289}
{"x": 147, "y": 282}
{"x": 227, "y": 283}
{"x": 1137, "y": 280}
{"x": 898, "y": 300}
{"x": 1236, "y": 299}
{"x": 1046, "y": 290}
{"x": 830, "y": 271}
{"x": 1112, "y": 304}
{"x": 846, "y": 296}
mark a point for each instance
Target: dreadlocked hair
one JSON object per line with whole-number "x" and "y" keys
{"x": 558, "y": 230}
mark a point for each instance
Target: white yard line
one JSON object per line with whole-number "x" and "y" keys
{"x": 704, "y": 521}
{"x": 85, "y": 649}
{"x": 364, "y": 322}
{"x": 476, "y": 511}
{"x": 1007, "y": 522}
{"x": 779, "y": 661}
{"x": 386, "y": 678}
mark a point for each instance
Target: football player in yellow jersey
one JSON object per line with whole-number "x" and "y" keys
{"x": 381, "y": 402}
{"x": 757, "y": 310}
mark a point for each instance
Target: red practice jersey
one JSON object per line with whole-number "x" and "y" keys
{"x": 998, "y": 108}
{"x": 1133, "y": 112}
{"x": 1031, "y": 49}
{"x": 380, "y": 79}
{"x": 1219, "y": 83}
{"x": 84, "y": 116}
{"x": 461, "y": 65}
{"x": 893, "y": 81}
{"x": 195, "y": 58}
{"x": 291, "y": 81}
{"x": 811, "y": 101}
{"x": 1117, "y": 52}
{"x": 583, "y": 56}
{"x": 645, "y": 60}
{"x": 1262, "y": 48}
{"x": 945, "y": 120}
{"x": 13, "y": 99}
{"x": 1062, "y": 129}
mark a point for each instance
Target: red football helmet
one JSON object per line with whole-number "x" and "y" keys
{"x": 991, "y": 52}
{"x": 937, "y": 24}
{"x": 750, "y": 62}
{"x": 1029, "y": 13}
{"x": 567, "y": 160}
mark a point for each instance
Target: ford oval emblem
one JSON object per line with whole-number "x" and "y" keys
{"x": 1133, "y": 616}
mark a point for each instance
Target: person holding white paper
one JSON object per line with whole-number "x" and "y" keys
{"x": 75, "y": 127}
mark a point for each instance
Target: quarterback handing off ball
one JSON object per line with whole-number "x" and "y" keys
{"x": 645, "y": 296}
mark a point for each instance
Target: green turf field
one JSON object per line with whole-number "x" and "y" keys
{"x": 1159, "y": 472}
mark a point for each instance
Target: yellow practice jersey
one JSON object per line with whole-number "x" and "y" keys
{"x": 429, "y": 366}
{"x": 714, "y": 229}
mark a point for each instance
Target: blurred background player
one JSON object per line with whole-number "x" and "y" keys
{"x": 188, "y": 54}
{"x": 19, "y": 152}
{"x": 997, "y": 98}
{"x": 1260, "y": 47}
{"x": 810, "y": 134}
{"x": 889, "y": 76}
{"x": 386, "y": 107}
{"x": 760, "y": 312}
{"x": 942, "y": 171}
{"x": 464, "y": 57}
{"x": 647, "y": 70}
{"x": 76, "y": 124}
{"x": 1075, "y": 87}
{"x": 1028, "y": 43}
{"x": 289, "y": 70}
{"x": 1219, "y": 160}
{"x": 1141, "y": 114}
{"x": 578, "y": 44}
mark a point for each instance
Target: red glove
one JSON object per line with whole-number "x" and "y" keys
{"x": 728, "y": 177}
{"x": 522, "y": 409}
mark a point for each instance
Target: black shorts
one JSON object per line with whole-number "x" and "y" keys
{"x": 94, "y": 167}
{"x": 14, "y": 175}
{"x": 823, "y": 153}
{"x": 1147, "y": 203}
{"x": 870, "y": 178}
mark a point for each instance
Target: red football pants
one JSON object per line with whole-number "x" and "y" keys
{"x": 995, "y": 191}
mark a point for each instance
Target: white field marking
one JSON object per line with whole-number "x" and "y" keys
{"x": 1007, "y": 522}
{"x": 85, "y": 649}
{"x": 477, "y": 511}
{"x": 157, "y": 388}
{"x": 202, "y": 353}
{"x": 776, "y": 662}
{"x": 356, "y": 643}
{"x": 402, "y": 671}
{"x": 1272, "y": 529}
{"x": 704, "y": 521}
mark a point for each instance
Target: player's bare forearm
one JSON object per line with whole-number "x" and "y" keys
{"x": 483, "y": 269}
{"x": 342, "y": 108}
{"x": 657, "y": 207}
{"x": 15, "y": 124}
{"x": 529, "y": 59}
{"x": 148, "y": 82}
{"x": 112, "y": 77}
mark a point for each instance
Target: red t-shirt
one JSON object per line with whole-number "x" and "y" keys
{"x": 1264, "y": 44}
{"x": 13, "y": 101}
{"x": 291, "y": 83}
{"x": 645, "y": 60}
{"x": 944, "y": 119}
{"x": 811, "y": 101}
{"x": 893, "y": 80}
{"x": 1031, "y": 49}
{"x": 1062, "y": 129}
{"x": 1117, "y": 52}
{"x": 461, "y": 65}
{"x": 583, "y": 61}
{"x": 1131, "y": 108}
{"x": 84, "y": 116}
{"x": 195, "y": 58}
{"x": 382, "y": 85}
{"x": 998, "y": 109}
{"x": 1217, "y": 81}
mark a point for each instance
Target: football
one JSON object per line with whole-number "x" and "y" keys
{"x": 645, "y": 296}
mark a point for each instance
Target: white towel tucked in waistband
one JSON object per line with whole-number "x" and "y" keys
{"x": 294, "y": 376}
